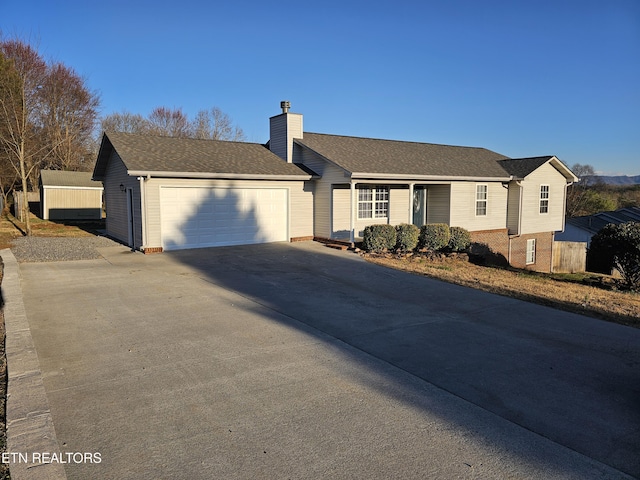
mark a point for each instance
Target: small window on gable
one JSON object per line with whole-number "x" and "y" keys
{"x": 373, "y": 202}
{"x": 531, "y": 251}
{"x": 544, "y": 198}
{"x": 481, "y": 199}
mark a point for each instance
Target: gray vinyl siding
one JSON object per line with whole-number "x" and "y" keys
{"x": 116, "y": 202}
{"x": 341, "y": 199}
{"x": 463, "y": 209}
{"x": 513, "y": 209}
{"x": 73, "y": 203}
{"x": 300, "y": 204}
{"x": 532, "y": 220}
{"x": 283, "y": 129}
{"x": 438, "y": 203}
{"x": 399, "y": 205}
{"x": 322, "y": 201}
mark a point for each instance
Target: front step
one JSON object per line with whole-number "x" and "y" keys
{"x": 337, "y": 246}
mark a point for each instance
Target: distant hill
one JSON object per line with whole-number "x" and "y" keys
{"x": 619, "y": 180}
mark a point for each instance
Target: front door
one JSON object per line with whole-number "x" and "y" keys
{"x": 419, "y": 206}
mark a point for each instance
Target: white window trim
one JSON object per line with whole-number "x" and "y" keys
{"x": 485, "y": 200}
{"x": 374, "y": 189}
{"x": 543, "y": 199}
{"x": 531, "y": 252}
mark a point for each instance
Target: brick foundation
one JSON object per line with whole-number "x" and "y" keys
{"x": 513, "y": 250}
{"x": 301, "y": 239}
{"x": 544, "y": 251}
{"x": 150, "y": 250}
{"x": 496, "y": 240}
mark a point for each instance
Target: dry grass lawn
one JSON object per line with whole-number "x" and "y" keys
{"x": 588, "y": 294}
{"x": 11, "y": 228}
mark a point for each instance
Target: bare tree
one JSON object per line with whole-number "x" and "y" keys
{"x": 125, "y": 122}
{"x": 169, "y": 122}
{"x": 69, "y": 113}
{"x": 22, "y": 75}
{"x": 214, "y": 124}
{"x": 582, "y": 197}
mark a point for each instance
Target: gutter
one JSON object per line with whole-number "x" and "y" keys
{"x": 225, "y": 176}
{"x": 411, "y": 178}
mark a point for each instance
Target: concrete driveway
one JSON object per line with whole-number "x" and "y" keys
{"x": 297, "y": 361}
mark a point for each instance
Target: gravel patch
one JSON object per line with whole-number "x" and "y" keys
{"x": 57, "y": 249}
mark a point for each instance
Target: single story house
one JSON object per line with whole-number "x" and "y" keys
{"x": 70, "y": 196}
{"x": 581, "y": 229}
{"x": 170, "y": 193}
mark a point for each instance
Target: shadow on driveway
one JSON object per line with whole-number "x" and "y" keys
{"x": 572, "y": 379}
{"x": 297, "y": 361}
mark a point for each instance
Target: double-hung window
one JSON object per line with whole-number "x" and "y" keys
{"x": 544, "y": 198}
{"x": 531, "y": 251}
{"x": 373, "y": 202}
{"x": 481, "y": 199}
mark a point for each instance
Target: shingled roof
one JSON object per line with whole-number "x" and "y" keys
{"x": 59, "y": 178}
{"x": 361, "y": 156}
{"x": 521, "y": 167}
{"x": 148, "y": 154}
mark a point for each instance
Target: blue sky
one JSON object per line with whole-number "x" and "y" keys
{"x": 557, "y": 77}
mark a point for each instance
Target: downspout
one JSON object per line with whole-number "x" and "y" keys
{"x": 143, "y": 211}
{"x": 352, "y": 226}
{"x": 519, "y": 184}
{"x": 564, "y": 205}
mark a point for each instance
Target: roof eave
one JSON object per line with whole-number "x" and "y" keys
{"x": 411, "y": 178}
{"x": 225, "y": 176}
{"x": 563, "y": 169}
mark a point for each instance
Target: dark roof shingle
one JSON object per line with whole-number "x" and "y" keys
{"x": 59, "y": 178}
{"x": 147, "y": 153}
{"x": 367, "y": 155}
{"x": 521, "y": 167}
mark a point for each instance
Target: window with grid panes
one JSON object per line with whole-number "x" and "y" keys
{"x": 373, "y": 202}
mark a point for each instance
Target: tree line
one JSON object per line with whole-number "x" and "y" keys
{"x": 49, "y": 119}
{"x": 588, "y": 198}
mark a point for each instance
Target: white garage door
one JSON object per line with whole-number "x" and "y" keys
{"x": 211, "y": 217}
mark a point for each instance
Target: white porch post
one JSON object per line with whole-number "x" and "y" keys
{"x": 411, "y": 186}
{"x": 352, "y": 218}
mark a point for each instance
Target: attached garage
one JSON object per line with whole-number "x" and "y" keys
{"x": 164, "y": 193}
{"x": 194, "y": 217}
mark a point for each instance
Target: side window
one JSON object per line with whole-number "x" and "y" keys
{"x": 531, "y": 251}
{"x": 481, "y": 199}
{"x": 544, "y": 198}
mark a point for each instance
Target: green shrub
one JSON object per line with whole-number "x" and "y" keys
{"x": 378, "y": 238}
{"x": 434, "y": 236}
{"x": 407, "y": 237}
{"x": 618, "y": 246}
{"x": 459, "y": 240}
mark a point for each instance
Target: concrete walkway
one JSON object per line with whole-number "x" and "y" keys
{"x": 296, "y": 361}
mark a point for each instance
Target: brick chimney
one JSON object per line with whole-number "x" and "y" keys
{"x": 283, "y": 128}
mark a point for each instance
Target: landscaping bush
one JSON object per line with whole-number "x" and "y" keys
{"x": 378, "y": 238}
{"x": 459, "y": 239}
{"x": 407, "y": 237}
{"x": 618, "y": 246}
{"x": 434, "y": 236}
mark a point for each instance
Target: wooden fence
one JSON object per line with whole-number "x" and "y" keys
{"x": 18, "y": 198}
{"x": 569, "y": 257}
